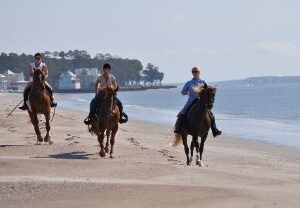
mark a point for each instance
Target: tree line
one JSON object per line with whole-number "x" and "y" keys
{"x": 128, "y": 72}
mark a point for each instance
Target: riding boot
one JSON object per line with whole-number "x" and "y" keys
{"x": 25, "y": 95}
{"x": 123, "y": 116}
{"x": 179, "y": 123}
{"x": 53, "y": 103}
{"x": 95, "y": 103}
{"x": 215, "y": 131}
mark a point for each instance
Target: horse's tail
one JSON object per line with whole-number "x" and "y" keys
{"x": 176, "y": 140}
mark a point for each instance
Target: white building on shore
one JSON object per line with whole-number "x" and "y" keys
{"x": 68, "y": 81}
{"x": 2, "y": 82}
{"x": 87, "y": 77}
{"x": 15, "y": 81}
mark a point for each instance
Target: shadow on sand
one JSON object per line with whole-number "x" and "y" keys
{"x": 69, "y": 155}
{"x": 12, "y": 145}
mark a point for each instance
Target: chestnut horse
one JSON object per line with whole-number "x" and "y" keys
{"x": 107, "y": 121}
{"x": 198, "y": 123}
{"x": 39, "y": 103}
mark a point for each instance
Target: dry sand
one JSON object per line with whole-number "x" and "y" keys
{"x": 145, "y": 172}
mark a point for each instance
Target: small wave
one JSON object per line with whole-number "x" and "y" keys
{"x": 81, "y": 100}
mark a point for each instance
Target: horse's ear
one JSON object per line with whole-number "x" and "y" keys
{"x": 117, "y": 88}
{"x": 205, "y": 86}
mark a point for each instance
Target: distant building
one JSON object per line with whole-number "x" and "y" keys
{"x": 12, "y": 77}
{"x": 68, "y": 81}
{"x": 15, "y": 81}
{"x": 18, "y": 86}
{"x": 87, "y": 77}
{"x": 2, "y": 82}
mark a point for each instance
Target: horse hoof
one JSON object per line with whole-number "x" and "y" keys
{"x": 200, "y": 164}
{"x": 102, "y": 153}
{"x": 46, "y": 139}
{"x": 188, "y": 163}
{"x": 106, "y": 149}
{"x": 50, "y": 141}
{"x": 111, "y": 157}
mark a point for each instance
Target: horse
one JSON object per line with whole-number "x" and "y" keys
{"x": 198, "y": 123}
{"x": 40, "y": 103}
{"x": 107, "y": 121}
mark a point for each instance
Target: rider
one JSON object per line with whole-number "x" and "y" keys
{"x": 38, "y": 64}
{"x": 106, "y": 79}
{"x": 193, "y": 97}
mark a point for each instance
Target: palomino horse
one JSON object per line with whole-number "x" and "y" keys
{"x": 198, "y": 123}
{"x": 107, "y": 121}
{"x": 40, "y": 103}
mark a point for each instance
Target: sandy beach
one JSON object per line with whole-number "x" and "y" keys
{"x": 145, "y": 172}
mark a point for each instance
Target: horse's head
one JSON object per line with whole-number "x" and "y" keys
{"x": 39, "y": 76}
{"x": 207, "y": 94}
{"x": 109, "y": 101}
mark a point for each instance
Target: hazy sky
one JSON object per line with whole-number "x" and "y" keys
{"x": 228, "y": 39}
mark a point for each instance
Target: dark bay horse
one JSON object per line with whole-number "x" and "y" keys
{"x": 39, "y": 103}
{"x": 107, "y": 121}
{"x": 198, "y": 123}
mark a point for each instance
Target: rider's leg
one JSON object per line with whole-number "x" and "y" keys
{"x": 50, "y": 92}
{"x": 122, "y": 114}
{"x": 215, "y": 131}
{"x": 93, "y": 107}
{"x": 25, "y": 96}
{"x": 181, "y": 117}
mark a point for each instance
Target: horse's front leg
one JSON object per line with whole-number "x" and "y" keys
{"x": 203, "y": 139}
{"x": 47, "y": 138}
{"x": 192, "y": 151}
{"x": 196, "y": 143}
{"x": 186, "y": 148}
{"x": 112, "y": 141}
{"x": 100, "y": 140}
{"x": 107, "y": 141}
{"x": 35, "y": 122}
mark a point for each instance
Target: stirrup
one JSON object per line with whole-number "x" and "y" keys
{"x": 88, "y": 120}
{"x": 123, "y": 120}
{"x": 216, "y": 132}
{"x": 24, "y": 107}
{"x": 53, "y": 104}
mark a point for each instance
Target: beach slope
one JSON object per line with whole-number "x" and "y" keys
{"x": 145, "y": 172}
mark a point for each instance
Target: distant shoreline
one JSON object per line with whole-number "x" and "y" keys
{"x": 141, "y": 88}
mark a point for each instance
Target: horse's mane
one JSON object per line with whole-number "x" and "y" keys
{"x": 206, "y": 90}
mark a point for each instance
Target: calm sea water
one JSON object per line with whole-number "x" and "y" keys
{"x": 268, "y": 113}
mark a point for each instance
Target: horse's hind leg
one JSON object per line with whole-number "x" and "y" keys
{"x": 107, "y": 141}
{"x": 203, "y": 139}
{"x": 186, "y": 148}
{"x": 35, "y": 122}
{"x": 47, "y": 138}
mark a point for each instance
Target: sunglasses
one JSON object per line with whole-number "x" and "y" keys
{"x": 195, "y": 71}
{"x": 37, "y": 58}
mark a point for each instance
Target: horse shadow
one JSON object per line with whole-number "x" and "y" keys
{"x": 11, "y": 145}
{"x": 69, "y": 155}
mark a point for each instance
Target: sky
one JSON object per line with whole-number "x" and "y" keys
{"x": 227, "y": 39}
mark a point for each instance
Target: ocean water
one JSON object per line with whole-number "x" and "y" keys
{"x": 267, "y": 113}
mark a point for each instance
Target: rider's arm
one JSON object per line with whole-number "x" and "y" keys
{"x": 184, "y": 93}
{"x": 185, "y": 89}
{"x": 45, "y": 70}
{"x": 114, "y": 84}
{"x": 30, "y": 71}
{"x": 96, "y": 85}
